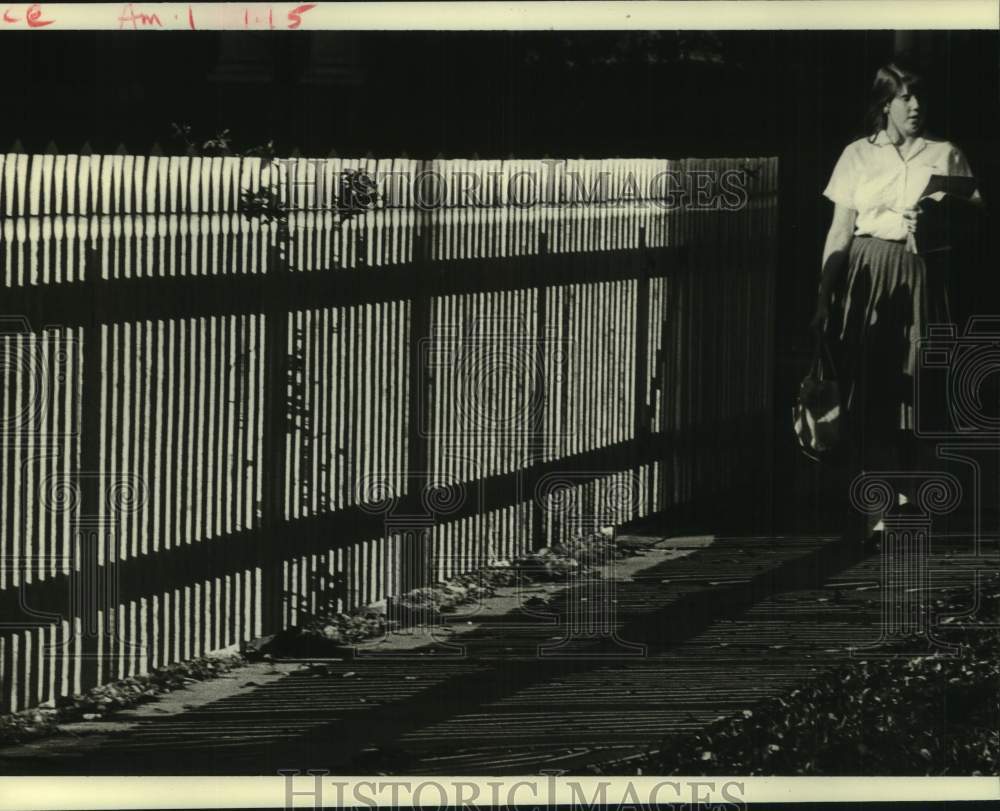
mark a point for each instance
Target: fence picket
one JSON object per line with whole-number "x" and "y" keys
{"x": 178, "y": 400}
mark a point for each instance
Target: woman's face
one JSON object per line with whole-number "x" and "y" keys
{"x": 904, "y": 113}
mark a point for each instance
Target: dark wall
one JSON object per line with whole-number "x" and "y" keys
{"x": 424, "y": 93}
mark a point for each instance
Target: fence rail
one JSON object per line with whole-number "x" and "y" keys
{"x": 199, "y": 417}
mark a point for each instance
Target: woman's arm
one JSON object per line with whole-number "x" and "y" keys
{"x": 958, "y": 166}
{"x": 835, "y": 252}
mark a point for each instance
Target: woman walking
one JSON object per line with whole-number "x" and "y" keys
{"x": 876, "y": 293}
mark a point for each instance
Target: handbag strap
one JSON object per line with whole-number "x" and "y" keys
{"x": 816, "y": 367}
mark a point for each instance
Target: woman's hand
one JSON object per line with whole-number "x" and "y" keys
{"x": 910, "y": 221}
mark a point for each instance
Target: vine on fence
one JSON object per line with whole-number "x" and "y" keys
{"x": 356, "y": 192}
{"x": 356, "y": 189}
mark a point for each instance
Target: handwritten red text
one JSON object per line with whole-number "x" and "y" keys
{"x": 137, "y": 19}
{"x": 34, "y": 17}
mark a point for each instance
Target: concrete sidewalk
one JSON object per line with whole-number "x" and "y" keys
{"x": 505, "y": 690}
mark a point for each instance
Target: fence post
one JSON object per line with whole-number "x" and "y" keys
{"x": 642, "y": 414}
{"x": 86, "y": 574}
{"x": 538, "y": 409}
{"x": 417, "y": 563}
{"x": 271, "y": 537}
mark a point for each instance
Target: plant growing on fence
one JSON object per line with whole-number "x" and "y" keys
{"x": 356, "y": 189}
{"x": 357, "y": 192}
{"x": 271, "y": 204}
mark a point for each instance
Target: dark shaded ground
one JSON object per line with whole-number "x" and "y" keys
{"x": 730, "y": 625}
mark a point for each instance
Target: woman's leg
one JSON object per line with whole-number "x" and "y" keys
{"x": 879, "y": 447}
{"x": 881, "y": 455}
{"x": 911, "y": 461}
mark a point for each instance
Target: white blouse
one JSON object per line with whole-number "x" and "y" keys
{"x": 878, "y": 181}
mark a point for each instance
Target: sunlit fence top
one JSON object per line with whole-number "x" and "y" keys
{"x": 189, "y": 216}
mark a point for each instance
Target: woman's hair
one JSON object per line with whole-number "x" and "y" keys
{"x": 889, "y": 81}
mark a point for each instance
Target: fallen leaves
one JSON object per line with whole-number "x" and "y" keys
{"x": 566, "y": 562}
{"x": 106, "y": 699}
{"x": 916, "y": 715}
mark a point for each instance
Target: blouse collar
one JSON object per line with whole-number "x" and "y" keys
{"x": 883, "y": 139}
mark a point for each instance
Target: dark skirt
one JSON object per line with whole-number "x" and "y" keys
{"x": 887, "y": 300}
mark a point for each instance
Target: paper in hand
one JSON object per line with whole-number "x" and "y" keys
{"x": 946, "y": 213}
{"x": 959, "y": 185}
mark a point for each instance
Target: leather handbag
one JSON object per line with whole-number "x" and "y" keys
{"x": 816, "y": 415}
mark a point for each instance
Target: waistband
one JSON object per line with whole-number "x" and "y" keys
{"x": 880, "y": 239}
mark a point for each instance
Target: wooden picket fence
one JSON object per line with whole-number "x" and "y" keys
{"x": 205, "y": 429}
